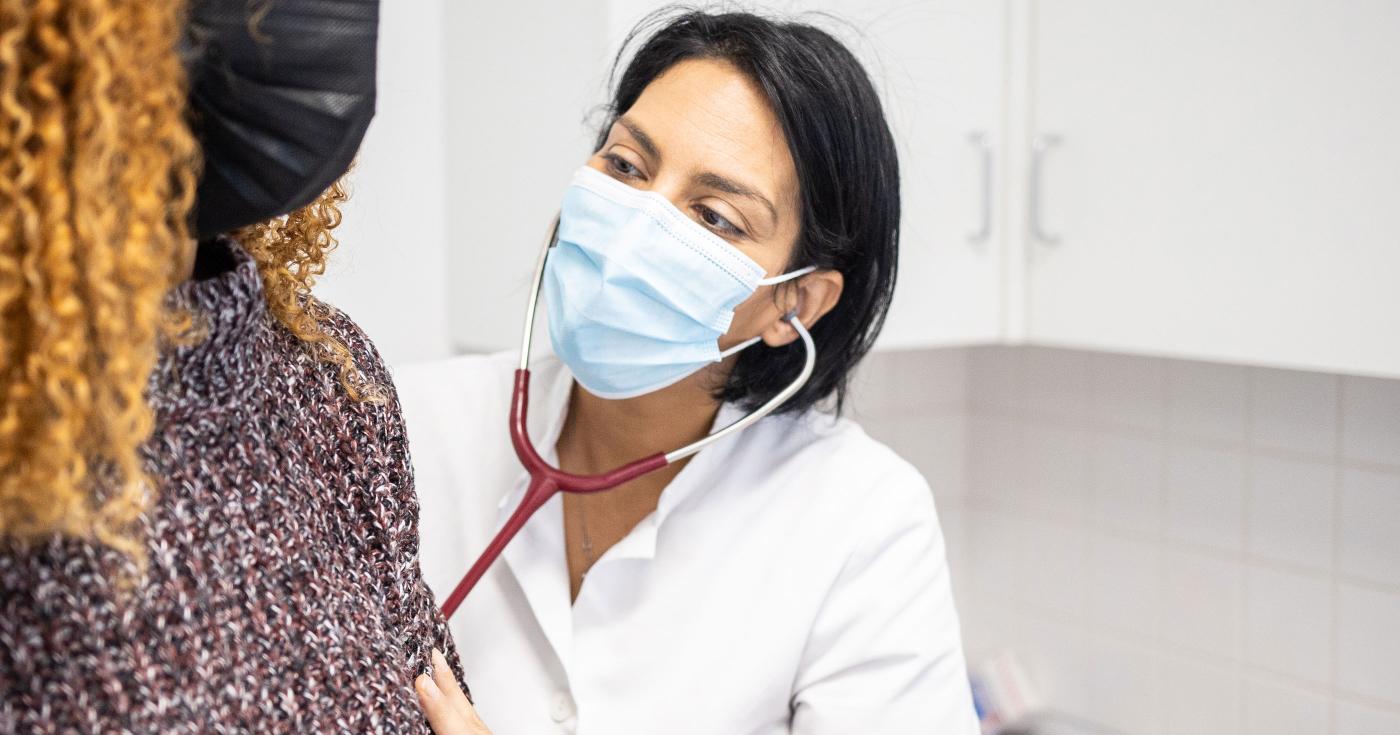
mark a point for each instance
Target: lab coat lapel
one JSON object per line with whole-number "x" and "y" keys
{"x": 699, "y": 472}
{"x": 536, "y": 558}
{"x": 640, "y": 543}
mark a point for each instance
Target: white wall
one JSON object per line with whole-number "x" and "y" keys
{"x": 390, "y": 271}
{"x": 474, "y": 138}
{"x": 1169, "y": 546}
{"x": 522, "y": 77}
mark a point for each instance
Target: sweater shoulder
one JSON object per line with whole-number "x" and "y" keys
{"x": 367, "y": 360}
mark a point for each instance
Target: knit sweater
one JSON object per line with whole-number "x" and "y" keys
{"x": 282, "y": 591}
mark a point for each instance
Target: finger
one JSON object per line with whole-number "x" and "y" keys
{"x": 442, "y": 676}
{"x": 441, "y": 714}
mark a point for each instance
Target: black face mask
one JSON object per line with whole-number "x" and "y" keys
{"x": 281, "y": 92}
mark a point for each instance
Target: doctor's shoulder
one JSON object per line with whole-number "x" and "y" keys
{"x": 843, "y": 466}
{"x": 449, "y": 397}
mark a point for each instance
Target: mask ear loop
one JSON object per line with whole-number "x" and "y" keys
{"x": 787, "y": 276}
{"x": 788, "y": 317}
{"x": 736, "y": 349}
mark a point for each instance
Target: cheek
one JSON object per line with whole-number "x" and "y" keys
{"x": 773, "y": 260}
{"x": 773, "y": 253}
{"x": 752, "y": 316}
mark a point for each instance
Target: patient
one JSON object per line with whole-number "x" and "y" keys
{"x": 207, "y": 514}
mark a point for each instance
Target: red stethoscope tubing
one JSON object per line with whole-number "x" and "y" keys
{"x": 545, "y": 481}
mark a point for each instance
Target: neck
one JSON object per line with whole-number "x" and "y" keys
{"x": 603, "y": 434}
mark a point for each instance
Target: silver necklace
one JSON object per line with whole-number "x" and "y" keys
{"x": 586, "y": 541}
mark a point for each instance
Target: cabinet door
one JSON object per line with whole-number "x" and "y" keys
{"x": 1227, "y": 180}
{"x": 939, "y": 68}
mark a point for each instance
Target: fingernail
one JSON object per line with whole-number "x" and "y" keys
{"x": 427, "y": 687}
{"x": 439, "y": 661}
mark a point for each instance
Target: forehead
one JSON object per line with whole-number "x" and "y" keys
{"x": 706, "y": 114}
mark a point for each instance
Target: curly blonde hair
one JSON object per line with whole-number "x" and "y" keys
{"x": 291, "y": 253}
{"x": 98, "y": 171}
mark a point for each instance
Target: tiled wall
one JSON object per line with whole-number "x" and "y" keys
{"x": 1170, "y": 547}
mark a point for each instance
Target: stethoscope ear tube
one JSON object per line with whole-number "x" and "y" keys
{"x": 547, "y": 480}
{"x": 529, "y": 332}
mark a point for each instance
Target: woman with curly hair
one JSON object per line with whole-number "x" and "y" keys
{"x": 207, "y": 516}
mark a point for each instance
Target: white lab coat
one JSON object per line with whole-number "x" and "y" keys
{"x": 791, "y": 580}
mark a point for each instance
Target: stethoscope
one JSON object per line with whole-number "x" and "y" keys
{"x": 546, "y": 480}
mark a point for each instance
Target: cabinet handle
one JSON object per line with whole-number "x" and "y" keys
{"x": 984, "y": 147}
{"x": 1039, "y": 146}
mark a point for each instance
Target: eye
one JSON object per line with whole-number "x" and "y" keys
{"x": 717, "y": 222}
{"x": 621, "y": 166}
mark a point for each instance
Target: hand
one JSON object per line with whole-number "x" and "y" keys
{"x": 448, "y": 710}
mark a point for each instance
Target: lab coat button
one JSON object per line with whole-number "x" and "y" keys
{"x": 562, "y": 708}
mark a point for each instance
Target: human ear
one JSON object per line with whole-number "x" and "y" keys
{"x": 811, "y": 297}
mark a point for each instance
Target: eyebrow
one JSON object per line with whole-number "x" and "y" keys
{"x": 648, "y": 145}
{"x": 704, "y": 178}
{"x": 715, "y": 181}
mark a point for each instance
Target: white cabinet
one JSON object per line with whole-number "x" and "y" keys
{"x": 939, "y": 66}
{"x": 1227, "y": 185}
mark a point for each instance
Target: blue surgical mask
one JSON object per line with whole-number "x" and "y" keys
{"x": 639, "y": 293}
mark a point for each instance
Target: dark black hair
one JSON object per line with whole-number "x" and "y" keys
{"x": 847, "y": 173}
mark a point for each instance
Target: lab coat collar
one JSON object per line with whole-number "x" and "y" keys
{"x": 537, "y": 557}
{"x": 552, "y": 378}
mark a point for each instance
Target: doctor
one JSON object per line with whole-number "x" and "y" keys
{"x": 790, "y": 578}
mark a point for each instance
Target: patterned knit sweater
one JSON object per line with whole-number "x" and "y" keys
{"x": 282, "y": 593}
